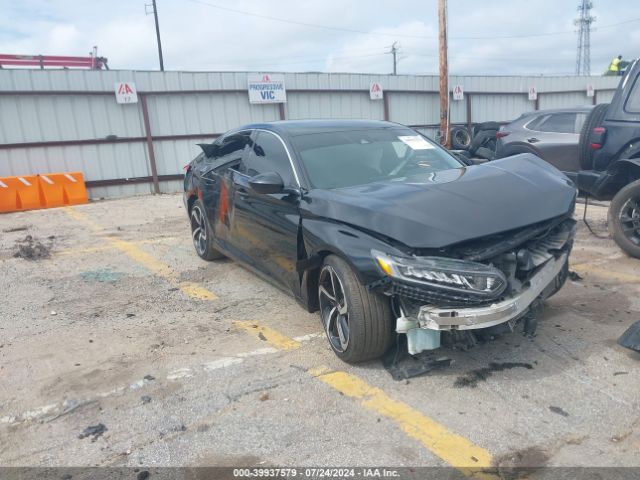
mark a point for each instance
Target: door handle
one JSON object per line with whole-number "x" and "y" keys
{"x": 532, "y": 140}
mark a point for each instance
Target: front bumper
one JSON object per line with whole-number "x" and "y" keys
{"x": 434, "y": 318}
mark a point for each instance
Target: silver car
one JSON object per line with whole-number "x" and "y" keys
{"x": 552, "y": 135}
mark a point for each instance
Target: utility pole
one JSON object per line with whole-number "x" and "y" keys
{"x": 394, "y": 52}
{"x": 155, "y": 16}
{"x": 444, "y": 74}
{"x": 583, "y": 22}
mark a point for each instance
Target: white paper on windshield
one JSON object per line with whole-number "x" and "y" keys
{"x": 416, "y": 142}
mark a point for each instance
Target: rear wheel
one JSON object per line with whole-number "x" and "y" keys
{"x": 357, "y": 322}
{"x": 624, "y": 219}
{"x": 202, "y": 234}
{"x": 595, "y": 119}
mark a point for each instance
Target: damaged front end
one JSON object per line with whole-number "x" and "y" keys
{"x": 487, "y": 283}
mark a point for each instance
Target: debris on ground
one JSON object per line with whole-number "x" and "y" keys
{"x": 145, "y": 399}
{"x": 15, "y": 229}
{"x": 574, "y": 276}
{"x": 31, "y": 248}
{"x": 264, "y": 396}
{"x": 631, "y": 337}
{"x": 558, "y": 410}
{"x": 402, "y": 366}
{"x": 102, "y": 276}
{"x": 148, "y": 377}
{"x": 94, "y": 431}
{"x": 472, "y": 378}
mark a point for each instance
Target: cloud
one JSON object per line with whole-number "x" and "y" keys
{"x": 200, "y": 37}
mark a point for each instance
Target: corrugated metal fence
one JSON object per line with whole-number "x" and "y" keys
{"x": 64, "y": 120}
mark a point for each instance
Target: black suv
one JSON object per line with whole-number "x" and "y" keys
{"x": 609, "y": 153}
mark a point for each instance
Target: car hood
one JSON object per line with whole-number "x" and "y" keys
{"x": 451, "y": 206}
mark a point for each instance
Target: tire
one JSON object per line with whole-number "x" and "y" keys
{"x": 202, "y": 234}
{"x": 481, "y": 139}
{"x": 487, "y": 126}
{"x": 460, "y": 138}
{"x": 484, "y": 152}
{"x": 624, "y": 219}
{"x": 595, "y": 119}
{"x": 367, "y": 315}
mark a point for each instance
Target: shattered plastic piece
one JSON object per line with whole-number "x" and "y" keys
{"x": 574, "y": 277}
{"x": 631, "y": 337}
{"x": 94, "y": 431}
{"x": 402, "y": 366}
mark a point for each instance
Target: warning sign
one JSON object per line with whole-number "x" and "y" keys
{"x": 266, "y": 88}
{"x": 126, "y": 92}
{"x": 590, "y": 91}
{"x": 458, "y": 92}
{"x": 533, "y": 93}
{"x": 375, "y": 91}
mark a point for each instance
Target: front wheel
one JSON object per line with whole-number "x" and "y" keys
{"x": 357, "y": 322}
{"x": 624, "y": 219}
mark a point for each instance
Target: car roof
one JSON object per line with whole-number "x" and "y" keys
{"x": 304, "y": 127}
{"x": 582, "y": 108}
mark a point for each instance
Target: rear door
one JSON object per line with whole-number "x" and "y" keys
{"x": 265, "y": 227}
{"x": 556, "y": 136}
{"x": 214, "y": 180}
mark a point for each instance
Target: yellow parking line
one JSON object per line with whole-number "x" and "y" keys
{"x": 457, "y": 451}
{"x": 143, "y": 258}
{"x": 82, "y": 251}
{"x": 454, "y": 449}
{"x": 275, "y": 338}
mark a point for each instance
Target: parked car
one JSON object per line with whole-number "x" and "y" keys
{"x": 552, "y": 135}
{"x": 610, "y": 159}
{"x": 372, "y": 223}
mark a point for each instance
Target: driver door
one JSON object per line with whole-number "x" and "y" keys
{"x": 265, "y": 227}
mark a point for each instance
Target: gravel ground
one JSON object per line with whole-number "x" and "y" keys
{"x": 99, "y": 324}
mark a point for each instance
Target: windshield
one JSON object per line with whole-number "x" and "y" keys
{"x": 357, "y": 157}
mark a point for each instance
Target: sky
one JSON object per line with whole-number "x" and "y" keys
{"x": 492, "y": 37}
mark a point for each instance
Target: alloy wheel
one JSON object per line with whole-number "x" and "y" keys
{"x": 198, "y": 230}
{"x": 333, "y": 308}
{"x": 630, "y": 219}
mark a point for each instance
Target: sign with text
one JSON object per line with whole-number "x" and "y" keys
{"x": 375, "y": 91}
{"x": 533, "y": 93}
{"x": 590, "y": 91}
{"x": 266, "y": 88}
{"x": 126, "y": 92}
{"x": 458, "y": 92}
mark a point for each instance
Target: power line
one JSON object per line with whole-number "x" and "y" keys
{"x": 382, "y": 34}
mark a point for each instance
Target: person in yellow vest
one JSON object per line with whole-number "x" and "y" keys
{"x": 615, "y": 65}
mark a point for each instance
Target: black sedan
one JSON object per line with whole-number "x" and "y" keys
{"x": 382, "y": 230}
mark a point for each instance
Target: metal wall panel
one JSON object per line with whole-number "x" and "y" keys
{"x": 564, "y": 100}
{"x": 333, "y": 105}
{"x": 55, "y": 117}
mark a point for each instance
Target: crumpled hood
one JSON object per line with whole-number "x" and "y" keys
{"x": 454, "y": 205}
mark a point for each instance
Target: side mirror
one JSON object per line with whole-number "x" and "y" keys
{"x": 265, "y": 183}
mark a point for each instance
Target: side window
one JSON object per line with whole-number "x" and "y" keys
{"x": 269, "y": 155}
{"x": 580, "y": 118}
{"x": 535, "y": 123}
{"x": 228, "y": 151}
{"x": 558, "y": 123}
{"x": 632, "y": 105}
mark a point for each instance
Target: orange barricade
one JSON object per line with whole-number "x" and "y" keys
{"x": 42, "y": 191}
{"x": 20, "y": 193}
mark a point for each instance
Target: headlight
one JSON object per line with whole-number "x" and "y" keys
{"x": 444, "y": 273}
